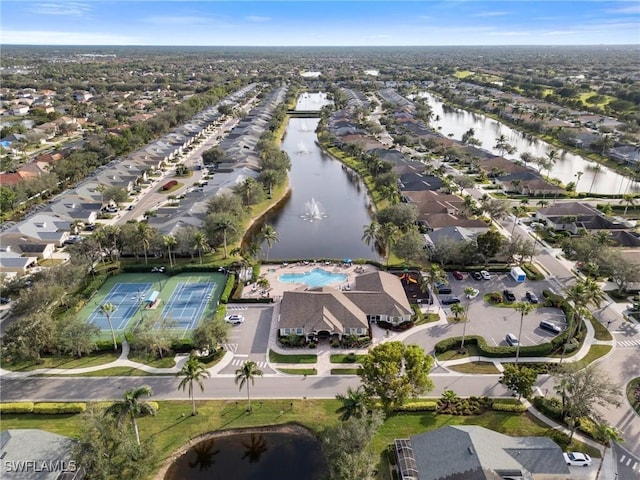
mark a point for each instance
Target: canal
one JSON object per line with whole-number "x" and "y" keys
{"x": 455, "y": 122}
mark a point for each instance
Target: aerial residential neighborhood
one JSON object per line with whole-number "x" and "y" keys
{"x": 234, "y": 244}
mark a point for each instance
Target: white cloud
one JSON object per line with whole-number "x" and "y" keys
{"x": 75, "y": 9}
{"x": 176, "y": 20}
{"x": 41, "y": 37}
{"x": 559, "y": 32}
{"x": 633, "y": 8}
{"x": 490, "y": 14}
{"x": 256, "y": 18}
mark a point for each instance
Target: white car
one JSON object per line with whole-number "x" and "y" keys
{"x": 472, "y": 294}
{"x": 485, "y": 275}
{"x": 577, "y": 459}
{"x": 234, "y": 319}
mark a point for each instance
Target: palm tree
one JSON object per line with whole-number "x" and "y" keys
{"x": 200, "y": 244}
{"x": 630, "y": 201}
{"x": 131, "y": 406}
{"x": 578, "y": 176}
{"x": 247, "y": 189}
{"x": 192, "y": 371}
{"x": 224, "y": 224}
{"x": 468, "y": 292}
{"x": 246, "y": 374}
{"x": 596, "y": 169}
{"x": 107, "y": 309}
{"x": 457, "y": 309}
{"x": 144, "y": 234}
{"x": 434, "y": 275}
{"x": 606, "y": 434}
{"x": 270, "y": 236}
{"x": 101, "y": 189}
{"x": 169, "y": 241}
{"x": 354, "y": 404}
{"x": 524, "y": 308}
{"x": 371, "y": 233}
{"x": 389, "y": 233}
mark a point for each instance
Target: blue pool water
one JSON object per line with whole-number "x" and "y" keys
{"x": 315, "y": 278}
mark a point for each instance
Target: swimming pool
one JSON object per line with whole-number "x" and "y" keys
{"x": 314, "y": 278}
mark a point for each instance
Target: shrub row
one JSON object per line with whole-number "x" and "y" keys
{"x": 43, "y": 408}
{"x": 426, "y": 406}
{"x": 485, "y": 350}
{"x": 508, "y": 407}
{"x": 93, "y": 286}
{"x": 532, "y": 272}
{"x": 228, "y": 288}
{"x": 464, "y": 406}
{"x": 169, "y": 185}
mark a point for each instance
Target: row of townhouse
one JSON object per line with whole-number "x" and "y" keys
{"x": 39, "y": 235}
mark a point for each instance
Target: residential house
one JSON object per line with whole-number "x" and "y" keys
{"x": 472, "y": 452}
{"x": 328, "y": 312}
{"x": 43, "y": 456}
{"x": 574, "y": 216}
{"x": 527, "y": 182}
{"x": 12, "y": 263}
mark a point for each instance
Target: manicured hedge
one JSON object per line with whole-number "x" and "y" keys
{"x": 16, "y": 407}
{"x": 228, "y": 288}
{"x": 453, "y": 343}
{"x": 508, "y": 407}
{"x": 93, "y": 286}
{"x": 532, "y": 272}
{"x": 426, "y": 406}
{"x": 47, "y": 408}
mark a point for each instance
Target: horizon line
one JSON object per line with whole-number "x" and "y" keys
{"x": 326, "y": 46}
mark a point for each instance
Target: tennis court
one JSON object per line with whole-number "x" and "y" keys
{"x": 127, "y": 298}
{"x": 187, "y": 303}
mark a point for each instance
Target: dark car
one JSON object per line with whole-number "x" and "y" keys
{"x": 509, "y": 296}
{"x": 476, "y": 275}
{"x": 449, "y": 300}
{"x": 444, "y": 289}
{"x": 532, "y": 297}
{"x": 4, "y": 300}
{"x": 457, "y": 275}
{"x": 550, "y": 326}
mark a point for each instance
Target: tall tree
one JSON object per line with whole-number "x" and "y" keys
{"x": 519, "y": 379}
{"x": 133, "y": 407}
{"x": 585, "y": 389}
{"x": 169, "y": 242}
{"x": 269, "y": 235}
{"x": 372, "y": 233}
{"x": 389, "y": 233}
{"x": 192, "y": 371}
{"x": 200, "y": 244}
{"x": 247, "y": 374}
{"x": 354, "y": 403}
{"x": 224, "y": 224}
{"x": 394, "y": 371}
{"x": 108, "y": 309}
{"x": 428, "y": 279}
{"x": 629, "y": 200}
{"x": 144, "y": 234}
{"x": 524, "y": 308}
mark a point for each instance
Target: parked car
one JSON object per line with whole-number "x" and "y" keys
{"x": 234, "y": 319}
{"x": 550, "y": 326}
{"x": 532, "y": 297}
{"x": 449, "y": 300}
{"x": 512, "y": 340}
{"x": 131, "y": 207}
{"x": 476, "y": 275}
{"x": 472, "y": 294}
{"x": 443, "y": 288}
{"x": 4, "y": 300}
{"x": 577, "y": 459}
{"x": 457, "y": 275}
{"x": 509, "y": 296}
{"x": 485, "y": 275}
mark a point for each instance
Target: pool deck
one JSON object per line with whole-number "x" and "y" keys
{"x": 277, "y": 288}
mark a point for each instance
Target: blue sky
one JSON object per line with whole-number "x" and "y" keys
{"x": 310, "y": 23}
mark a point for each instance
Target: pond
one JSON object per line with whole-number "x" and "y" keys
{"x": 268, "y": 453}
{"x": 325, "y": 215}
{"x": 455, "y": 122}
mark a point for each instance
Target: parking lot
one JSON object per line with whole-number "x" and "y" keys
{"x": 493, "y": 323}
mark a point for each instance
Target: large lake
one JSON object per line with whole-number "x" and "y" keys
{"x": 326, "y": 213}
{"x": 455, "y": 122}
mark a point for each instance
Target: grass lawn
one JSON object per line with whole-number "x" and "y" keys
{"x": 276, "y": 357}
{"x": 299, "y": 371}
{"x": 173, "y": 426}
{"x": 464, "y": 74}
{"x": 601, "y": 331}
{"x": 595, "y": 352}
{"x": 344, "y": 358}
{"x": 475, "y": 368}
{"x": 92, "y": 360}
{"x": 631, "y": 387}
{"x": 111, "y": 372}
{"x": 344, "y": 371}
{"x": 166, "y": 362}
{"x": 471, "y": 351}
